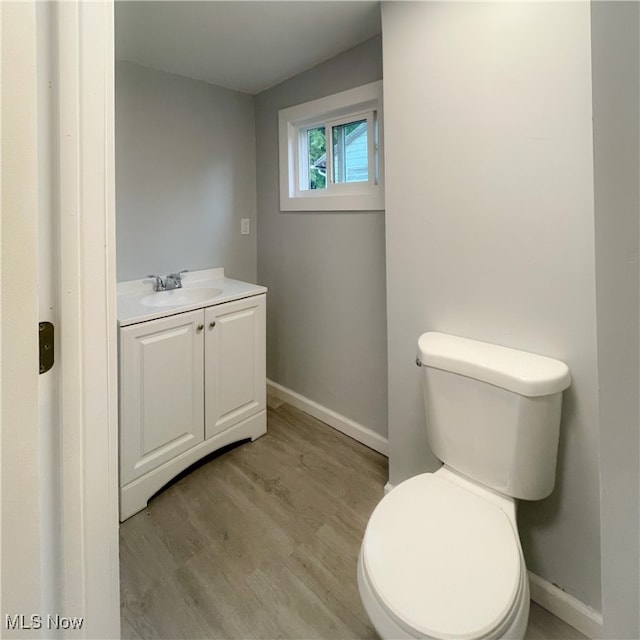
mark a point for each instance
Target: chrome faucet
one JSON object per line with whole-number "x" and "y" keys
{"x": 167, "y": 283}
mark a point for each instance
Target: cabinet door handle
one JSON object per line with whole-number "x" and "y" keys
{"x": 212, "y": 324}
{"x": 200, "y": 327}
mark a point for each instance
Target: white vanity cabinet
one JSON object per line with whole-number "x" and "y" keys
{"x": 190, "y": 383}
{"x": 235, "y": 368}
{"x": 161, "y": 391}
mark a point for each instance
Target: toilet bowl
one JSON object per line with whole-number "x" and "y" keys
{"x": 441, "y": 557}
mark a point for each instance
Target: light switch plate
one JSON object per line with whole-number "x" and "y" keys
{"x": 245, "y": 226}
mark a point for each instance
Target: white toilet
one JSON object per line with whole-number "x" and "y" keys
{"x": 441, "y": 556}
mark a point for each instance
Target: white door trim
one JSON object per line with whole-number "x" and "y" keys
{"x": 20, "y": 481}
{"x": 87, "y": 335}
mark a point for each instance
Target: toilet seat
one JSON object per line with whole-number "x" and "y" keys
{"x": 443, "y": 562}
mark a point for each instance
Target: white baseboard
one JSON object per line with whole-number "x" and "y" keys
{"x": 345, "y": 425}
{"x": 566, "y": 607}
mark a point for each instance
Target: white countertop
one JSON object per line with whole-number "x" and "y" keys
{"x": 131, "y": 294}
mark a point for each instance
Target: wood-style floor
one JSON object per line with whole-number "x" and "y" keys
{"x": 262, "y": 542}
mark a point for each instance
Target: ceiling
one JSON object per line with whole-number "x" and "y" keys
{"x": 240, "y": 44}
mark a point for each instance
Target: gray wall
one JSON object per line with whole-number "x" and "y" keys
{"x": 490, "y": 231}
{"x": 326, "y": 318}
{"x": 185, "y": 175}
{"x": 616, "y": 118}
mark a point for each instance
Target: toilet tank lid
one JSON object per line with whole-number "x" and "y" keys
{"x": 521, "y": 372}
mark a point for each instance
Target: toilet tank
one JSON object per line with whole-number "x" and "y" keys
{"x": 493, "y": 413}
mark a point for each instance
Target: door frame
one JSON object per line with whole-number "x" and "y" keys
{"x": 88, "y": 324}
{"x": 86, "y": 574}
{"x": 20, "y": 482}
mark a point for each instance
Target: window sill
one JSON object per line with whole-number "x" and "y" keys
{"x": 322, "y": 202}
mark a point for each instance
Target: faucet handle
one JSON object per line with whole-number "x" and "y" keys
{"x": 177, "y": 277}
{"x": 159, "y": 284}
{"x": 174, "y": 280}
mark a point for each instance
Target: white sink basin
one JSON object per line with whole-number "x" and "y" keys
{"x": 177, "y": 297}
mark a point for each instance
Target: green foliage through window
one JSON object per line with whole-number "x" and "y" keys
{"x": 317, "y": 145}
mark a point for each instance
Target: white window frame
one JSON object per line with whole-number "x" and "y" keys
{"x": 361, "y": 103}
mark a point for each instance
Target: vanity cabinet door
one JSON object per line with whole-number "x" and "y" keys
{"x": 235, "y": 369}
{"x": 161, "y": 391}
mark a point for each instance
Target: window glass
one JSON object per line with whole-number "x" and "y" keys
{"x": 317, "y": 157}
{"x": 350, "y": 155}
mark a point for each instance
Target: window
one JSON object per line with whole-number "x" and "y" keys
{"x": 331, "y": 153}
